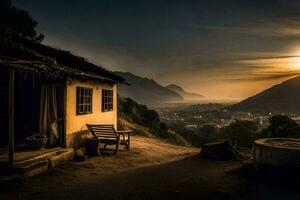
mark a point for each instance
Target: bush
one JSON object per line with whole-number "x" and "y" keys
{"x": 206, "y": 134}
{"x": 241, "y": 133}
{"x": 137, "y": 113}
{"x": 281, "y": 126}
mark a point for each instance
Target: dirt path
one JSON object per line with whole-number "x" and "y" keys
{"x": 151, "y": 170}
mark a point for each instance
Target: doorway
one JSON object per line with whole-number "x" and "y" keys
{"x": 28, "y": 104}
{"x": 4, "y": 76}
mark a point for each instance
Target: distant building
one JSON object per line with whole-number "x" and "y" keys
{"x": 197, "y": 117}
{"x": 191, "y": 126}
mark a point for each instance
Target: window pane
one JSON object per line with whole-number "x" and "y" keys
{"x": 81, "y": 108}
{"x": 84, "y": 100}
{"x": 107, "y": 100}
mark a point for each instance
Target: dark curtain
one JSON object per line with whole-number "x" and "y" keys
{"x": 48, "y": 124}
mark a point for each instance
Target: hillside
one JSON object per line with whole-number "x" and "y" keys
{"x": 186, "y": 95}
{"x": 281, "y": 98}
{"x": 146, "y": 91}
{"x": 143, "y": 121}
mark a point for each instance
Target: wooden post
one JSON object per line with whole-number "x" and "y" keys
{"x": 11, "y": 142}
{"x": 64, "y": 142}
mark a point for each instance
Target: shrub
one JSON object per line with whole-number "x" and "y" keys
{"x": 281, "y": 126}
{"x": 241, "y": 133}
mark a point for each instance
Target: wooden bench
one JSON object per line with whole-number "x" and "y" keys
{"x": 107, "y": 135}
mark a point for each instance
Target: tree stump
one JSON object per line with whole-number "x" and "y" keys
{"x": 220, "y": 150}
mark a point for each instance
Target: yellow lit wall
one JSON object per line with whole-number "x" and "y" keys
{"x": 75, "y": 124}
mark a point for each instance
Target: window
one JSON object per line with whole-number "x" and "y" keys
{"x": 107, "y": 100}
{"x": 84, "y": 103}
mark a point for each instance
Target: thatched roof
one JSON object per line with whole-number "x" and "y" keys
{"x": 53, "y": 63}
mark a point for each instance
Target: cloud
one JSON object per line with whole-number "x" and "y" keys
{"x": 281, "y": 28}
{"x": 266, "y": 76}
{"x": 275, "y": 60}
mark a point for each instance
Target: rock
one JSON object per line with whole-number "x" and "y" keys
{"x": 80, "y": 154}
{"x": 220, "y": 150}
{"x": 61, "y": 158}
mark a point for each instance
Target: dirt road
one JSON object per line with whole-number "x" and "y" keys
{"x": 151, "y": 170}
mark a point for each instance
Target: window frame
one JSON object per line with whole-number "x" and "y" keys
{"x": 84, "y": 100}
{"x": 107, "y": 100}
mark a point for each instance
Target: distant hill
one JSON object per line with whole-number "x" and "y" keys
{"x": 186, "y": 95}
{"x": 281, "y": 98}
{"x": 145, "y": 91}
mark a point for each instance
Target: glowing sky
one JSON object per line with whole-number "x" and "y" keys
{"x": 222, "y": 49}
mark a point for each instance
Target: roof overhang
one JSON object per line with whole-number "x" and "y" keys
{"x": 52, "y": 70}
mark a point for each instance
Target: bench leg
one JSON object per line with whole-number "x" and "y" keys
{"x": 128, "y": 145}
{"x": 117, "y": 147}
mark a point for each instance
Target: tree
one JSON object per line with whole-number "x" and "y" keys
{"x": 207, "y": 133}
{"x": 208, "y": 130}
{"x": 281, "y": 126}
{"x": 241, "y": 133}
{"x": 17, "y": 22}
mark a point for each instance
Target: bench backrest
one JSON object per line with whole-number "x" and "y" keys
{"x": 103, "y": 131}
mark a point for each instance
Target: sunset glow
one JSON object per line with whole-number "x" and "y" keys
{"x": 181, "y": 43}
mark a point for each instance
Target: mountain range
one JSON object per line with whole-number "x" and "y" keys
{"x": 281, "y": 98}
{"x": 186, "y": 95}
{"x": 145, "y": 91}
{"x": 149, "y": 92}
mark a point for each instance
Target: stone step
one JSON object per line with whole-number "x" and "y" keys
{"x": 31, "y": 169}
{"x": 39, "y": 164}
{"x": 10, "y": 180}
{"x": 44, "y": 156}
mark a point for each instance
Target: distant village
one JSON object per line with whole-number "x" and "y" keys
{"x": 193, "y": 119}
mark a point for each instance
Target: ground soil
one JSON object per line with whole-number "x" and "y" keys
{"x": 153, "y": 169}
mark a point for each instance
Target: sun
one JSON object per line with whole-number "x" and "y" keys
{"x": 292, "y": 58}
{"x": 295, "y": 62}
